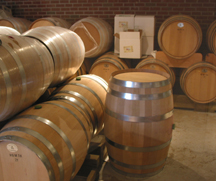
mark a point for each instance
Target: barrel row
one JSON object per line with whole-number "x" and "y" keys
{"x": 51, "y": 139}
{"x": 96, "y": 34}
{"x": 196, "y": 81}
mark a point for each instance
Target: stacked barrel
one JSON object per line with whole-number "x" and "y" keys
{"x": 50, "y": 140}
{"x": 28, "y": 68}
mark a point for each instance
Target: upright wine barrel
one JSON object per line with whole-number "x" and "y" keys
{"x": 45, "y": 143}
{"x": 106, "y": 64}
{"x": 97, "y": 35}
{"x": 179, "y": 36}
{"x": 50, "y": 21}
{"x": 211, "y": 37}
{"x": 23, "y": 79}
{"x": 199, "y": 82}
{"x": 4, "y": 30}
{"x": 138, "y": 121}
{"x": 66, "y": 47}
{"x": 89, "y": 92}
{"x": 19, "y": 24}
{"x": 155, "y": 64}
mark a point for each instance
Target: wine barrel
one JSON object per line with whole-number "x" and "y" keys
{"x": 89, "y": 92}
{"x": 19, "y": 24}
{"x": 155, "y": 64}
{"x": 81, "y": 70}
{"x": 50, "y": 21}
{"x": 106, "y": 64}
{"x": 66, "y": 47}
{"x": 46, "y": 142}
{"x": 138, "y": 121}
{"x": 23, "y": 79}
{"x": 211, "y": 37}
{"x": 179, "y": 36}
{"x": 97, "y": 35}
{"x": 199, "y": 82}
{"x": 46, "y": 95}
{"x": 4, "y": 30}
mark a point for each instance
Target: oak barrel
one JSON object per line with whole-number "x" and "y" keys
{"x": 138, "y": 121}
{"x": 23, "y": 79}
{"x": 4, "y": 30}
{"x": 211, "y": 37}
{"x": 155, "y": 64}
{"x": 19, "y": 24}
{"x": 96, "y": 33}
{"x": 179, "y": 36}
{"x": 66, "y": 48}
{"x": 50, "y": 21}
{"x": 90, "y": 92}
{"x": 199, "y": 82}
{"x": 106, "y": 64}
{"x": 48, "y": 142}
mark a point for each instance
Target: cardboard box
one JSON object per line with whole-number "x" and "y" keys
{"x": 146, "y": 24}
{"x": 5, "y": 12}
{"x": 130, "y": 44}
{"x": 147, "y": 45}
{"x": 122, "y": 22}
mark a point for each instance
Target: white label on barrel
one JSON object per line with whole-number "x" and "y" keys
{"x": 180, "y": 25}
{"x": 12, "y": 147}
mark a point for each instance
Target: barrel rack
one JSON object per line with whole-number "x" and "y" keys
{"x": 181, "y": 101}
{"x": 96, "y": 154}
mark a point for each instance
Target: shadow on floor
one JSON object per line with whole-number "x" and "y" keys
{"x": 173, "y": 171}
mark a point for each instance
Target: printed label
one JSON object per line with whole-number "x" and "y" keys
{"x": 12, "y": 147}
{"x": 128, "y": 49}
{"x": 106, "y": 65}
{"x": 152, "y": 66}
{"x": 123, "y": 24}
{"x": 204, "y": 70}
{"x": 180, "y": 25}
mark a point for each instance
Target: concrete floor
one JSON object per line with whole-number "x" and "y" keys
{"x": 192, "y": 153}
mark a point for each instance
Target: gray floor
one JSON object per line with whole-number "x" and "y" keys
{"x": 192, "y": 154}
